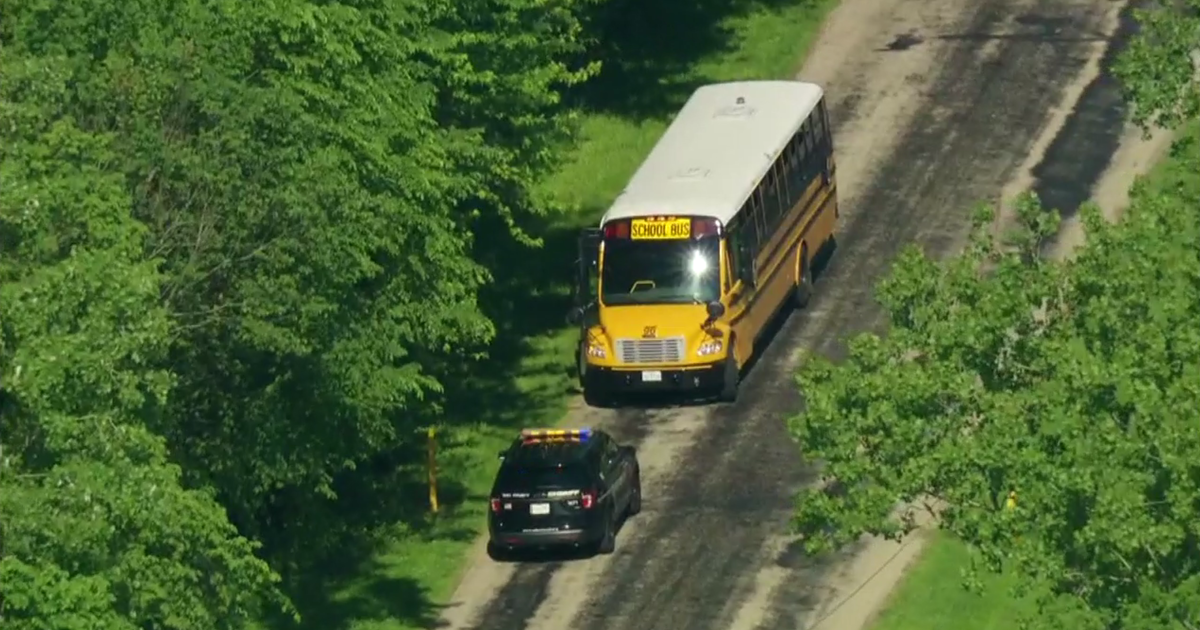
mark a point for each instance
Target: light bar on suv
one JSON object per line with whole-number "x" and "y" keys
{"x": 533, "y": 436}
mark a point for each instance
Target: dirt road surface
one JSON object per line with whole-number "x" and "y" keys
{"x": 937, "y": 105}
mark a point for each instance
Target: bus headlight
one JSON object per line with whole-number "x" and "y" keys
{"x": 710, "y": 347}
{"x": 596, "y": 352}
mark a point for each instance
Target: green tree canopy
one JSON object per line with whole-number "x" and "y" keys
{"x": 1159, "y": 71}
{"x": 241, "y": 246}
{"x": 97, "y": 530}
{"x": 1071, "y": 384}
{"x": 318, "y": 181}
{"x": 1069, "y": 387}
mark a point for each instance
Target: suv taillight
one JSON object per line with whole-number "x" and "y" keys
{"x": 496, "y": 505}
{"x": 588, "y": 500}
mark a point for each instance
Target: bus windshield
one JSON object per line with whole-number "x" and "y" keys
{"x": 661, "y": 272}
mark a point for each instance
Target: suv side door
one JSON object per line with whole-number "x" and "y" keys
{"x": 614, "y": 472}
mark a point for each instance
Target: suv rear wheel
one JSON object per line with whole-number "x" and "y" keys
{"x": 608, "y": 540}
{"x": 635, "y": 499}
{"x": 497, "y": 552}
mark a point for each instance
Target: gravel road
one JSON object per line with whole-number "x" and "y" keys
{"x": 937, "y": 105}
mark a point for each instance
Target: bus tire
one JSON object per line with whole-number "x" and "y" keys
{"x": 595, "y": 398}
{"x": 729, "y": 380}
{"x": 802, "y": 294}
{"x": 581, "y": 365}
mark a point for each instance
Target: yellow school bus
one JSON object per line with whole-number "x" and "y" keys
{"x": 715, "y": 233}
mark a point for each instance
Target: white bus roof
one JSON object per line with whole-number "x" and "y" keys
{"x": 716, "y": 150}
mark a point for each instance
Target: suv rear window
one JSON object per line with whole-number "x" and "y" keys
{"x": 516, "y": 478}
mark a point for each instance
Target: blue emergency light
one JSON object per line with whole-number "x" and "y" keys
{"x": 548, "y": 435}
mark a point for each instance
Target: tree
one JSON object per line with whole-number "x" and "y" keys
{"x": 1071, "y": 384}
{"x": 1040, "y": 410}
{"x": 1160, "y": 69}
{"x": 97, "y": 532}
{"x": 322, "y": 183}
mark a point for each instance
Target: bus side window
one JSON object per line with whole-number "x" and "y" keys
{"x": 818, "y": 122}
{"x": 785, "y": 181}
{"x": 826, "y": 137}
{"x": 820, "y": 141}
{"x": 769, "y": 189}
{"x": 758, "y": 213}
{"x": 811, "y": 152}
{"x": 803, "y": 158}
{"x": 796, "y": 172}
{"x": 742, "y": 247}
{"x": 781, "y": 187}
{"x": 770, "y": 205}
{"x": 733, "y": 250}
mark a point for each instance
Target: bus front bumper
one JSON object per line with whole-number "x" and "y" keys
{"x": 696, "y": 378}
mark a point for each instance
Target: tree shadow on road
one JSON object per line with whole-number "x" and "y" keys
{"x": 649, "y": 50}
{"x": 376, "y": 599}
{"x": 345, "y": 565}
{"x": 1080, "y": 153}
{"x": 528, "y": 371}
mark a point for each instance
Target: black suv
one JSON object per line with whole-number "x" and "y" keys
{"x": 562, "y": 487}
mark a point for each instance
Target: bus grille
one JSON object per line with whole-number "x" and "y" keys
{"x": 668, "y": 350}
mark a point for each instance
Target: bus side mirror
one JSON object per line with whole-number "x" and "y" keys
{"x": 715, "y": 310}
{"x": 575, "y": 315}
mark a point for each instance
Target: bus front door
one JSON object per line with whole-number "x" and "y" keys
{"x": 586, "y": 309}
{"x": 587, "y": 283}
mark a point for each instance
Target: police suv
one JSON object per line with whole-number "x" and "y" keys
{"x": 562, "y": 488}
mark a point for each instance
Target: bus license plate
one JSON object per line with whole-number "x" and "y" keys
{"x": 539, "y": 509}
{"x": 652, "y": 377}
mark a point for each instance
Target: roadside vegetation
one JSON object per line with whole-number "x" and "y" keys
{"x": 251, "y": 253}
{"x": 1066, "y": 386}
{"x": 932, "y": 595}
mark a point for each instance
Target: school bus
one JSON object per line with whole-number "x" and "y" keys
{"x": 716, "y": 232}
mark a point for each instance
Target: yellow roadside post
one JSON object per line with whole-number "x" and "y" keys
{"x": 1010, "y": 504}
{"x": 432, "y": 448}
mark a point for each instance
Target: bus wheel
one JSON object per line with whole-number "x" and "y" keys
{"x": 729, "y": 381}
{"x": 580, "y": 366}
{"x": 596, "y": 399}
{"x": 802, "y": 294}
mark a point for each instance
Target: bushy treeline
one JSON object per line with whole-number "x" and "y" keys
{"x": 1044, "y": 411}
{"x": 242, "y": 248}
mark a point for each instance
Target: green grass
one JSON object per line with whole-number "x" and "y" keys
{"x": 1176, "y": 170}
{"x": 932, "y": 595}
{"x": 402, "y": 578}
{"x": 768, "y": 44}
